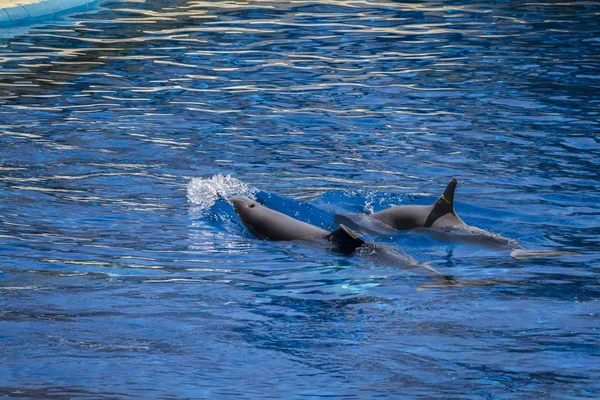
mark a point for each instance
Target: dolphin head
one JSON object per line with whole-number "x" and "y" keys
{"x": 243, "y": 205}
{"x": 249, "y": 212}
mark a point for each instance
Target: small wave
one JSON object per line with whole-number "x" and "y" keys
{"x": 204, "y": 192}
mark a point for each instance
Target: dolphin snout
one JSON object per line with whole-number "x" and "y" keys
{"x": 242, "y": 202}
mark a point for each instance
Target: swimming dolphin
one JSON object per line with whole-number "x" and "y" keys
{"x": 440, "y": 221}
{"x": 439, "y": 214}
{"x": 268, "y": 224}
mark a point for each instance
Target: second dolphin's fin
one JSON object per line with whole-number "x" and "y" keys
{"x": 443, "y": 205}
{"x": 345, "y": 240}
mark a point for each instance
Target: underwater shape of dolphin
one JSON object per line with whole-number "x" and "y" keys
{"x": 447, "y": 226}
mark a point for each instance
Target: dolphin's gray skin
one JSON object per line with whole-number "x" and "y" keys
{"x": 447, "y": 226}
{"x": 269, "y": 224}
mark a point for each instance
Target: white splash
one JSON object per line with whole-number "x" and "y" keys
{"x": 203, "y": 192}
{"x": 369, "y": 200}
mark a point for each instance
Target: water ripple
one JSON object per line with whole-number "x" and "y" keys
{"x": 121, "y": 130}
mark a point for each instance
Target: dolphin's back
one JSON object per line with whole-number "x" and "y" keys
{"x": 439, "y": 214}
{"x": 268, "y": 224}
{"x": 404, "y": 217}
{"x": 272, "y": 225}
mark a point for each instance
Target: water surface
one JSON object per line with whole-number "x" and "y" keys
{"x": 122, "y": 277}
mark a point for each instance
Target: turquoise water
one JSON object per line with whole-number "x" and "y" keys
{"x": 123, "y": 275}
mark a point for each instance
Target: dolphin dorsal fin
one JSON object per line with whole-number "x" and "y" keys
{"x": 345, "y": 239}
{"x": 447, "y": 198}
{"x": 443, "y": 205}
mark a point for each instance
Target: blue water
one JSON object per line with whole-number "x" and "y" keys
{"x": 123, "y": 276}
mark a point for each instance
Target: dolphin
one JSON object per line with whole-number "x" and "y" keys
{"x": 268, "y": 224}
{"x": 440, "y": 221}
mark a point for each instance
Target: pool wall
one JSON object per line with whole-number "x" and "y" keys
{"x": 23, "y": 12}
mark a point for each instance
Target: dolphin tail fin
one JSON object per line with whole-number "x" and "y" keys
{"x": 345, "y": 239}
{"x": 521, "y": 254}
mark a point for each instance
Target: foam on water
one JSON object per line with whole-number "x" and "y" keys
{"x": 204, "y": 192}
